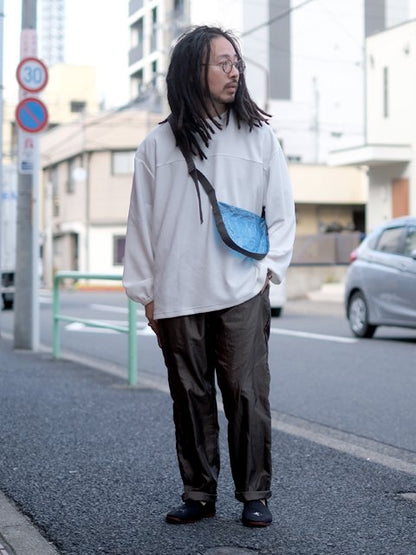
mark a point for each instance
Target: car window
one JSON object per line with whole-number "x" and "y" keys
{"x": 410, "y": 241}
{"x": 389, "y": 240}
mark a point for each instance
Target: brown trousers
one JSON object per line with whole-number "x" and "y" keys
{"x": 233, "y": 343}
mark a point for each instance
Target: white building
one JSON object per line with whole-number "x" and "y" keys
{"x": 389, "y": 151}
{"x": 304, "y": 59}
{"x": 52, "y": 31}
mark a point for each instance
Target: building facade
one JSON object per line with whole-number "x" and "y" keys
{"x": 87, "y": 168}
{"x": 52, "y": 31}
{"x": 389, "y": 151}
{"x": 71, "y": 93}
{"x": 305, "y": 61}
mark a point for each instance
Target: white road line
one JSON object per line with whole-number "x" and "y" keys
{"x": 142, "y": 328}
{"x": 109, "y": 308}
{"x": 366, "y": 449}
{"x": 318, "y": 336}
{"x": 277, "y": 331}
{"x": 118, "y": 309}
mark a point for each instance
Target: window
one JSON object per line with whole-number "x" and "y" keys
{"x": 386, "y": 92}
{"x": 154, "y": 30}
{"x": 119, "y": 242}
{"x": 78, "y": 106}
{"x": 139, "y": 31}
{"x": 138, "y": 78}
{"x": 154, "y": 72}
{"x": 136, "y": 35}
{"x": 154, "y": 16}
{"x": 410, "y": 242}
{"x": 178, "y": 7}
{"x": 122, "y": 162}
{"x": 389, "y": 240}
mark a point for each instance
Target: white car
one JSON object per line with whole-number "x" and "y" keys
{"x": 277, "y": 298}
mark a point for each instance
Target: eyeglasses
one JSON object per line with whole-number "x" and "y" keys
{"x": 227, "y": 66}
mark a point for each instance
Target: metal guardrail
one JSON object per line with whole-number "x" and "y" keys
{"x": 130, "y": 329}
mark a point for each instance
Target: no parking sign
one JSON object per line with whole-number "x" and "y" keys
{"x": 31, "y": 115}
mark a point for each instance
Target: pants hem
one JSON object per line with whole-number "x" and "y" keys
{"x": 245, "y": 496}
{"x": 199, "y": 496}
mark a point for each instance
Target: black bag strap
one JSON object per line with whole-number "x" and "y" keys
{"x": 199, "y": 177}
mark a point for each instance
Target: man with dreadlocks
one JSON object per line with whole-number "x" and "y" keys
{"x": 208, "y": 305}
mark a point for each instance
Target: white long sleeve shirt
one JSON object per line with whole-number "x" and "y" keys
{"x": 183, "y": 265}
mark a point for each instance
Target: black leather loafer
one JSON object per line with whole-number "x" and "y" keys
{"x": 190, "y": 511}
{"x": 256, "y": 513}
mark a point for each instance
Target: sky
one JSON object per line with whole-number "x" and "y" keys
{"x": 97, "y": 33}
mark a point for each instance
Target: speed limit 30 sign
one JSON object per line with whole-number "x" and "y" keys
{"x": 32, "y": 75}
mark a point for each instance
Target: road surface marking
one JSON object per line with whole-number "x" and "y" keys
{"x": 318, "y": 336}
{"x": 142, "y": 328}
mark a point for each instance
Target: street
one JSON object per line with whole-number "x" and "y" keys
{"x": 91, "y": 460}
{"x": 320, "y": 373}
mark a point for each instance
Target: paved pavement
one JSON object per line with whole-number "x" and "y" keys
{"x": 87, "y": 466}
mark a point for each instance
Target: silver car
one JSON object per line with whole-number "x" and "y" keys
{"x": 380, "y": 287}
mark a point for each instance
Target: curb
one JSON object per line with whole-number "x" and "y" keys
{"x": 19, "y": 532}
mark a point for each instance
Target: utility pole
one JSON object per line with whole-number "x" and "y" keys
{"x": 26, "y": 304}
{"x": 316, "y": 123}
{"x": 1, "y": 135}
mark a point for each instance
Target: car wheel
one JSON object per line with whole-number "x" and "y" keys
{"x": 358, "y": 316}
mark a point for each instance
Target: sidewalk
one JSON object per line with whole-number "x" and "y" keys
{"x": 91, "y": 462}
{"x": 329, "y": 292}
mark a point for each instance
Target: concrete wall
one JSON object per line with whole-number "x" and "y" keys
{"x": 301, "y": 280}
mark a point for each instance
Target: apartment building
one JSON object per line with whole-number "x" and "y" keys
{"x": 87, "y": 167}
{"x": 304, "y": 60}
{"x": 52, "y": 31}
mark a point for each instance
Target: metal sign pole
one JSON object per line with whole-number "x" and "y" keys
{"x": 26, "y": 305}
{"x": 1, "y": 138}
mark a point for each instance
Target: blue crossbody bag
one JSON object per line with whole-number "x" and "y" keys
{"x": 241, "y": 230}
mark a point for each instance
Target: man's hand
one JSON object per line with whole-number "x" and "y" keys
{"x": 149, "y": 311}
{"x": 267, "y": 282}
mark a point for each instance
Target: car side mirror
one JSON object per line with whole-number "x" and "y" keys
{"x": 413, "y": 254}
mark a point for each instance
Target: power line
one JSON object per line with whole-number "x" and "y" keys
{"x": 281, "y": 15}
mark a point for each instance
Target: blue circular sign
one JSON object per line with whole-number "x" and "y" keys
{"x": 31, "y": 115}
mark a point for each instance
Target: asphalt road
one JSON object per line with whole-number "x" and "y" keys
{"x": 92, "y": 462}
{"x": 320, "y": 373}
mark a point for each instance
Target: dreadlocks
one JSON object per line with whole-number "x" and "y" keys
{"x": 188, "y": 93}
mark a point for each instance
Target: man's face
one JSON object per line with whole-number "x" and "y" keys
{"x": 222, "y": 86}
